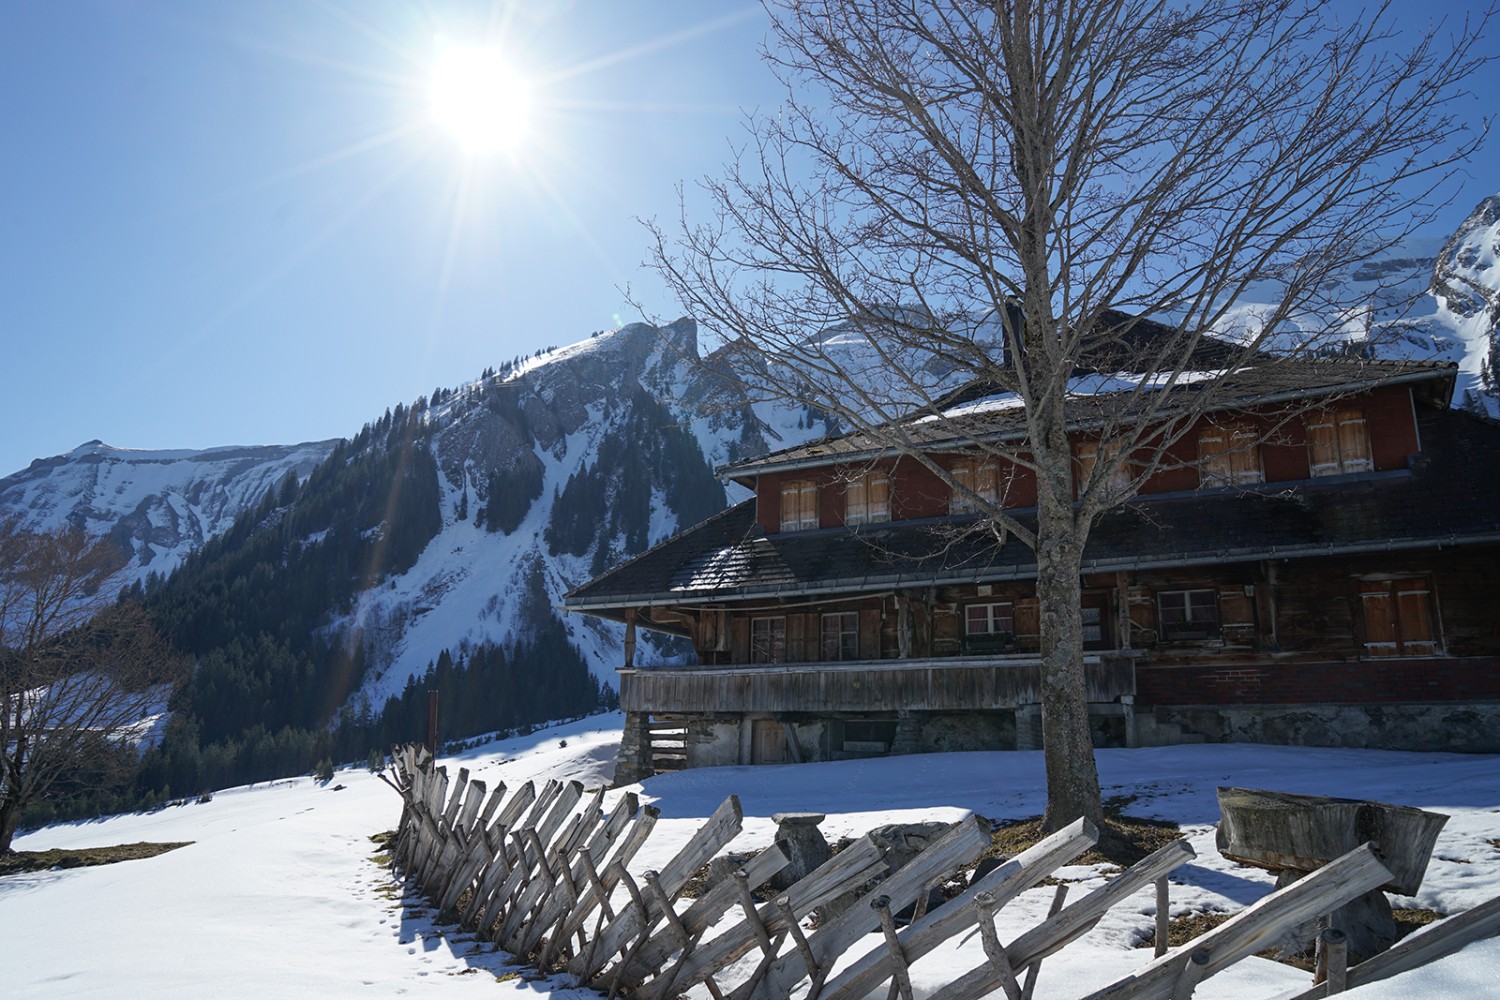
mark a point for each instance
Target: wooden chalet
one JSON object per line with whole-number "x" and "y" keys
{"x": 1332, "y": 583}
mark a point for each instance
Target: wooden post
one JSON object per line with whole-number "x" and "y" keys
{"x": 1163, "y": 914}
{"x": 1334, "y": 959}
{"x": 902, "y": 974}
{"x": 985, "y": 905}
{"x": 1193, "y": 971}
{"x": 630, "y": 638}
{"x": 1034, "y": 970}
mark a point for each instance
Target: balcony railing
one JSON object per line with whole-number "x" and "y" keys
{"x": 928, "y": 685}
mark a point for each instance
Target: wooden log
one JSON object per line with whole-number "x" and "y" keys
{"x": 543, "y": 877}
{"x": 720, "y": 828}
{"x": 1427, "y": 945}
{"x": 964, "y": 843}
{"x": 1033, "y": 971}
{"x": 455, "y": 800}
{"x": 1254, "y": 928}
{"x": 985, "y": 906}
{"x": 845, "y": 871}
{"x": 1017, "y": 875}
{"x": 882, "y": 907}
{"x": 1073, "y": 921}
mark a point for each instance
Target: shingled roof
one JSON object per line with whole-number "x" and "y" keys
{"x": 1448, "y": 497}
{"x": 977, "y": 413}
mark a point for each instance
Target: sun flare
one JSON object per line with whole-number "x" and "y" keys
{"x": 479, "y": 99}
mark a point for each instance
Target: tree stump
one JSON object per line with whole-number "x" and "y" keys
{"x": 1296, "y": 834}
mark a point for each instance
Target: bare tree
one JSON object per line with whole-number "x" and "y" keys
{"x": 993, "y": 190}
{"x": 79, "y": 675}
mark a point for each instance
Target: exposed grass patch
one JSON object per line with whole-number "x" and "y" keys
{"x": 383, "y": 842}
{"x": 39, "y": 861}
{"x": 1123, "y": 840}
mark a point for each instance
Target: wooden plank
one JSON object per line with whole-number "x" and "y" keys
{"x": 1004, "y": 883}
{"x": 1056, "y": 932}
{"x": 642, "y": 823}
{"x": 964, "y": 843}
{"x": 704, "y": 911}
{"x": 719, "y": 829}
{"x": 1258, "y": 926}
{"x": 844, "y": 872}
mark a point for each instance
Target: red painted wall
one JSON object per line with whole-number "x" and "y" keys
{"x": 916, "y": 492}
{"x": 1345, "y": 682}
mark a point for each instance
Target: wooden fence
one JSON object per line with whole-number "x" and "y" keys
{"x": 545, "y": 874}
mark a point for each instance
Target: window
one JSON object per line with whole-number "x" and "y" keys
{"x": 1188, "y": 614}
{"x": 1229, "y": 456}
{"x": 1088, "y": 456}
{"x": 976, "y": 477}
{"x": 799, "y": 505}
{"x": 841, "y": 636}
{"x": 1338, "y": 442}
{"x": 867, "y": 499}
{"x": 1396, "y": 616}
{"x": 989, "y": 619}
{"x": 768, "y": 640}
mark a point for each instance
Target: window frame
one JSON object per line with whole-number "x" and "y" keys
{"x": 1213, "y": 628}
{"x": 772, "y": 647}
{"x": 991, "y": 618}
{"x": 847, "y": 631}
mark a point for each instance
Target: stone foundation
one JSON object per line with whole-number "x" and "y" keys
{"x": 1466, "y": 728}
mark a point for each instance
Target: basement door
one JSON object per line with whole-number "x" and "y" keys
{"x": 768, "y": 742}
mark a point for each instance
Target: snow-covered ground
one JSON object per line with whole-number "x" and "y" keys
{"x": 278, "y": 895}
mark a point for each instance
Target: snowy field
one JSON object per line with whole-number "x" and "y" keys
{"x": 278, "y": 895}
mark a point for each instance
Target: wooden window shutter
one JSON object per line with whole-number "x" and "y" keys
{"x": 790, "y": 519}
{"x": 799, "y": 505}
{"x": 1413, "y": 598}
{"x": 869, "y": 634}
{"x": 1378, "y": 612}
{"x": 987, "y": 486}
{"x": 1244, "y": 455}
{"x": 796, "y": 638}
{"x": 1323, "y": 444}
{"x": 856, "y": 501}
{"x": 959, "y": 502}
{"x": 1213, "y": 457}
{"x": 1088, "y": 457}
{"x": 1354, "y": 442}
{"x": 1027, "y": 617}
{"x": 878, "y": 496}
{"x": 1236, "y": 608}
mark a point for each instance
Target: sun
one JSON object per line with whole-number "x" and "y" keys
{"x": 478, "y": 97}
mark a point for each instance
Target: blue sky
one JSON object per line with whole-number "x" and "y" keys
{"x": 233, "y": 221}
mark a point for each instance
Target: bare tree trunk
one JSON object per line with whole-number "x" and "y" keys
{"x": 1067, "y": 740}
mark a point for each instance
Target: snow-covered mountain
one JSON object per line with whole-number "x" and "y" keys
{"x": 159, "y": 505}
{"x": 550, "y": 470}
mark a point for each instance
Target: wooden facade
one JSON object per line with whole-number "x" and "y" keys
{"x": 1336, "y": 564}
